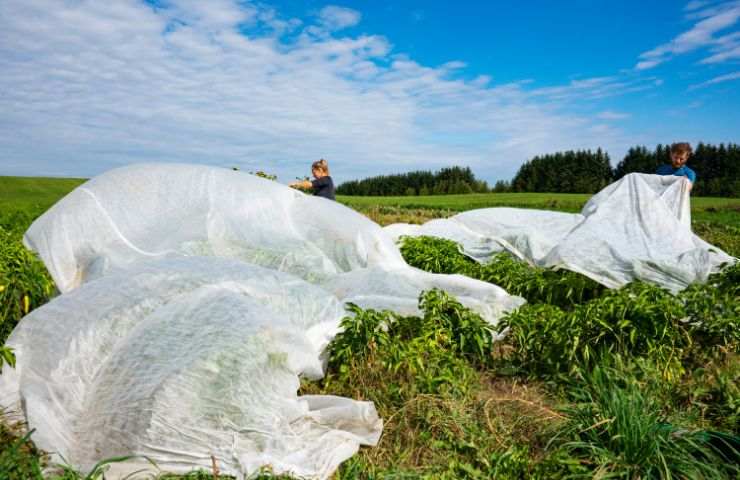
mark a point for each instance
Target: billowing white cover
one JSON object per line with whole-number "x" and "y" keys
{"x": 639, "y": 227}
{"x": 193, "y": 298}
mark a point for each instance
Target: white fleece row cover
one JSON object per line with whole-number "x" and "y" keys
{"x": 192, "y": 300}
{"x": 637, "y": 228}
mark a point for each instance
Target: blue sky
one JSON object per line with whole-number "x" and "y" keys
{"x": 374, "y": 87}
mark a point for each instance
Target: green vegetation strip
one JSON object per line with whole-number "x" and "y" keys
{"x": 589, "y": 382}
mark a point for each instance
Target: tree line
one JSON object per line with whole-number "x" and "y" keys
{"x": 717, "y": 167}
{"x": 445, "y": 181}
{"x": 582, "y": 171}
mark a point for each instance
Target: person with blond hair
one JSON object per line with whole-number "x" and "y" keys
{"x": 322, "y": 185}
{"x": 680, "y": 153}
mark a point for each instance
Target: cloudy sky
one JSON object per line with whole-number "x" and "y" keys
{"x": 372, "y": 86}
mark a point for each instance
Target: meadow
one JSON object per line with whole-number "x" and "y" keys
{"x": 635, "y": 383}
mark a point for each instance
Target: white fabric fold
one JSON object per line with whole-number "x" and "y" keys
{"x": 637, "y": 228}
{"x": 193, "y": 299}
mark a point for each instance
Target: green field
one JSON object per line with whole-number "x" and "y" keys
{"x": 561, "y": 201}
{"x": 39, "y": 193}
{"x": 634, "y": 383}
{"x": 721, "y": 210}
{"x": 34, "y": 193}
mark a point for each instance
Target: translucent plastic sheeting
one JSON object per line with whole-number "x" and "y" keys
{"x": 181, "y": 359}
{"x": 151, "y": 211}
{"x": 193, "y": 299}
{"x": 639, "y": 227}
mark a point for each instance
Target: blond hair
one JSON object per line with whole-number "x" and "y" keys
{"x": 321, "y": 165}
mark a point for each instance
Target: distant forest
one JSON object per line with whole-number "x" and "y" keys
{"x": 584, "y": 171}
{"x": 447, "y": 180}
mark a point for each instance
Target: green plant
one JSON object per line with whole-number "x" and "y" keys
{"x": 436, "y": 349}
{"x": 616, "y": 428}
{"x": 261, "y": 174}
{"x": 24, "y": 282}
{"x": 638, "y": 320}
{"x": 538, "y": 285}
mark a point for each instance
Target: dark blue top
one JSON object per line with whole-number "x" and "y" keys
{"x": 680, "y": 172}
{"x": 323, "y": 187}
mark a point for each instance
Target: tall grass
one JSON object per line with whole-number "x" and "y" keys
{"x": 619, "y": 431}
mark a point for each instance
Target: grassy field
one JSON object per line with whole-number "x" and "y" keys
{"x": 561, "y": 201}
{"x": 703, "y": 209}
{"x": 39, "y": 193}
{"x": 34, "y": 193}
{"x": 588, "y": 383}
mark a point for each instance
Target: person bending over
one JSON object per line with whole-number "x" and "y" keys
{"x": 680, "y": 153}
{"x": 322, "y": 185}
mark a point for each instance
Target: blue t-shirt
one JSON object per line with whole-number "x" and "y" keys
{"x": 680, "y": 172}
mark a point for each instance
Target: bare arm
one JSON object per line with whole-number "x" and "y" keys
{"x": 301, "y": 184}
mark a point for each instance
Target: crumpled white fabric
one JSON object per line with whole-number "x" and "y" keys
{"x": 637, "y": 228}
{"x": 192, "y": 300}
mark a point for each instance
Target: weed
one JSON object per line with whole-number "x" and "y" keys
{"x": 618, "y": 431}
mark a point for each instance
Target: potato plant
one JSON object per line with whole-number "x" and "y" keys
{"x": 634, "y": 383}
{"x": 24, "y": 282}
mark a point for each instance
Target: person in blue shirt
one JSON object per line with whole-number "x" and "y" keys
{"x": 680, "y": 153}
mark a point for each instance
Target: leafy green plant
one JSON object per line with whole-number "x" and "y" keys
{"x": 24, "y": 282}
{"x": 261, "y": 174}
{"x": 538, "y": 285}
{"x": 638, "y": 320}
{"x": 714, "y": 390}
{"x": 436, "y": 350}
{"x": 617, "y": 429}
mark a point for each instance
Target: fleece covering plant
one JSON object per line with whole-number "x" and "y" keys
{"x": 632, "y": 384}
{"x": 538, "y": 285}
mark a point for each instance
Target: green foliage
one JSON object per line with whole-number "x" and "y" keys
{"x": 437, "y": 255}
{"x": 261, "y": 174}
{"x": 538, "y": 285}
{"x": 24, "y": 282}
{"x": 713, "y": 391}
{"x": 617, "y": 429}
{"x": 639, "y": 360}
{"x": 33, "y": 194}
{"x": 19, "y": 459}
{"x": 452, "y": 180}
{"x": 717, "y": 166}
{"x": 722, "y": 235}
{"x": 564, "y": 172}
{"x": 639, "y": 320}
{"x": 424, "y": 375}
{"x": 433, "y": 352}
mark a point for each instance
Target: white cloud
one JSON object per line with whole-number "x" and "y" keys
{"x": 88, "y": 86}
{"x": 720, "y": 79}
{"x": 596, "y": 88}
{"x": 337, "y": 18}
{"x": 712, "y": 19}
{"x": 610, "y": 115}
{"x": 696, "y": 4}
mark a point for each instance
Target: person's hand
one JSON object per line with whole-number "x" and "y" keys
{"x": 301, "y": 184}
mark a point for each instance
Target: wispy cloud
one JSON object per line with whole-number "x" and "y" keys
{"x": 720, "y": 79}
{"x": 88, "y": 86}
{"x": 597, "y": 88}
{"x": 338, "y": 18}
{"x": 610, "y": 115}
{"x": 712, "y": 19}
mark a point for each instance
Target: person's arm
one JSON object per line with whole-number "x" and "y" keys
{"x": 305, "y": 184}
